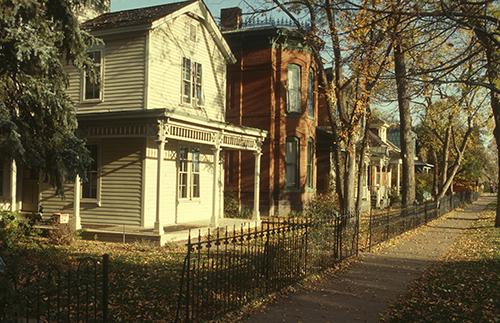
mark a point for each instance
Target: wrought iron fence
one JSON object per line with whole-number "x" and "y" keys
{"x": 57, "y": 293}
{"x": 390, "y": 223}
{"x": 224, "y": 270}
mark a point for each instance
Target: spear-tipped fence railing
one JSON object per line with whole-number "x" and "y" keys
{"x": 76, "y": 293}
{"x": 228, "y": 268}
{"x": 386, "y": 224}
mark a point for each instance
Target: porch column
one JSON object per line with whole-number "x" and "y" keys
{"x": 398, "y": 179}
{"x": 13, "y": 185}
{"x": 389, "y": 177}
{"x": 214, "y": 220}
{"x": 160, "y": 142}
{"x": 256, "y": 186}
{"x": 366, "y": 189}
{"x": 76, "y": 202}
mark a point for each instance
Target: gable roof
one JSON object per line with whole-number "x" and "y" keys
{"x": 134, "y": 17}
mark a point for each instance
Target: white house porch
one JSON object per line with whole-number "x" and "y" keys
{"x": 165, "y": 138}
{"x": 137, "y": 174}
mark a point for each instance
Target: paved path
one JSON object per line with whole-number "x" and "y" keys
{"x": 369, "y": 286}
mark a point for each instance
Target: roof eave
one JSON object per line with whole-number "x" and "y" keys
{"x": 119, "y": 30}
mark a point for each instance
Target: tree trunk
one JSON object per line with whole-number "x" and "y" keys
{"x": 435, "y": 179}
{"x": 361, "y": 169}
{"x": 407, "y": 152}
{"x": 350, "y": 179}
{"x": 445, "y": 157}
{"x": 495, "y": 105}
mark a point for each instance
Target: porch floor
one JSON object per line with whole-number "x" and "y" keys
{"x": 172, "y": 233}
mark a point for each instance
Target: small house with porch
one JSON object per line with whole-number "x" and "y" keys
{"x": 154, "y": 121}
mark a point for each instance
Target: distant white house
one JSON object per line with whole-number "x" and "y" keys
{"x": 154, "y": 122}
{"x": 382, "y": 166}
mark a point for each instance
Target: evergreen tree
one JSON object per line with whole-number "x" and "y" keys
{"x": 37, "y": 118}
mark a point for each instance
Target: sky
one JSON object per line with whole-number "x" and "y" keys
{"x": 213, "y": 5}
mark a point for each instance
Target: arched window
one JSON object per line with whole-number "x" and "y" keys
{"x": 310, "y": 95}
{"x": 310, "y": 163}
{"x": 293, "y": 89}
{"x": 292, "y": 163}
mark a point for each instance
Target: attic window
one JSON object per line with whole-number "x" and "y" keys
{"x": 192, "y": 33}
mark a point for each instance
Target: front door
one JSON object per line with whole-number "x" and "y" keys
{"x": 30, "y": 191}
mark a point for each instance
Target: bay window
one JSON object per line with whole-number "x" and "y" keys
{"x": 293, "y": 89}
{"x": 292, "y": 163}
{"x": 310, "y": 163}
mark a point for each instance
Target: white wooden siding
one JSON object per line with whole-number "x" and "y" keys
{"x": 168, "y": 44}
{"x": 123, "y": 76}
{"x": 121, "y": 187}
{"x": 150, "y": 172}
{"x": 176, "y": 210}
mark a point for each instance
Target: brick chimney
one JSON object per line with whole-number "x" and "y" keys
{"x": 230, "y": 18}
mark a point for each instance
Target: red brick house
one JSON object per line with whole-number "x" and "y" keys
{"x": 273, "y": 87}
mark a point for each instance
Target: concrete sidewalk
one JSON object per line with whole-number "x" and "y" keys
{"x": 366, "y": 289}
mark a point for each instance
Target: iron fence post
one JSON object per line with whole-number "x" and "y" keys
{"x": 425, "y": 212}
{"x": 105, "y": 287}
{"x": 387, "y": 226}
{"x": 306, "y": 245}
{"x": 188, "y": 270}
{"x": 370, "y": 224}
{"x": 357, "y": 232}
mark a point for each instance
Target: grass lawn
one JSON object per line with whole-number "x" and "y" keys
{"x": 143, "y": 279}
{"x": 464, "y": 287}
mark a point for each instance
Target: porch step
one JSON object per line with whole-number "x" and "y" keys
{"x": 118, "y": 237}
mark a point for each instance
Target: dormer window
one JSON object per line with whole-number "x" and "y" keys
{"x": 92, "y": 87}
{"x": 192, "y": 85}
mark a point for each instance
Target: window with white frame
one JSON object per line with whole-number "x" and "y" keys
{"x": 192, "y": 82}
{"x": 183, "y": 173}
{"x": 292, "y": 163}
{"x": 195, "y": 173}
{"x": 189, "y": 173}
{"x": 92, "y": 86}
{"x": 310, "y": 163}
{"x": 90, "y": 187}
{"x": 310, "y": 95}
{"x": 293, "y": 88}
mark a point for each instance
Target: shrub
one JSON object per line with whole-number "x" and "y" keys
{"x": 232, "y": 207}
{"x": 61, "y": 234}
{"x": 322, "y": 206}
{"x": 13, "y": 229}
{"x": 395, "y": 198}
{"x": 424, "y": 186}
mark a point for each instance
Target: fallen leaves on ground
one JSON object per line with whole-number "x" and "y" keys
{"x": 143, "y": 278}
{"x": 464, "y": 287}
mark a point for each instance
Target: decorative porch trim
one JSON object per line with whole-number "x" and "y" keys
{"x": 116, "y": 131}
{"x": 214, "y": 137}
{"x": 211, "y": 133}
